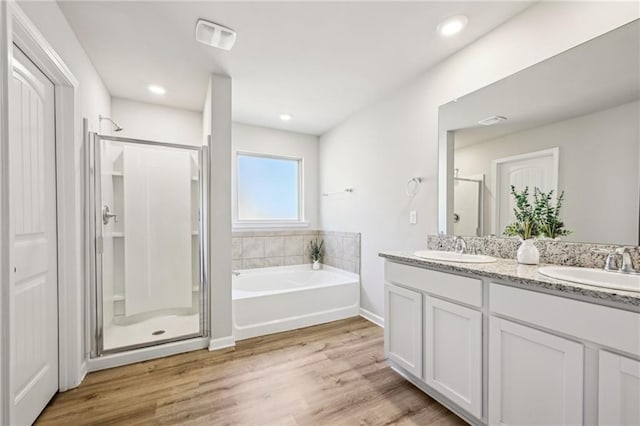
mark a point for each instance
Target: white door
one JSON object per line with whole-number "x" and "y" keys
{"x": 453, "y": 352}
{"x": 34, "y": 286}
{"x": 535, "y": 378}
{"x": 618, "y": 390}
{"x": 535, "y": 169}
{"x": 403, "y": 328}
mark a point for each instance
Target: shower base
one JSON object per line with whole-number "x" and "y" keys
{"x": 150, "y": 330}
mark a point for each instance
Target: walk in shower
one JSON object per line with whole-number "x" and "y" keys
{"x": 146, "y": 205}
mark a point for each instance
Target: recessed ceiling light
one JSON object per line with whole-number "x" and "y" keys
{"x": 285, "y": 117}
{"x": 453, "y": 25}
{"x": 156, "y": 90}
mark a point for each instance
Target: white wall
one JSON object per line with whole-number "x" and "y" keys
{"x": 141, "y": 120}
{"x": 247, "y": 138}
{"x": 598, "y": 170}
{"x": 217, "y": 123}
{"x": 93, "y": 96}
{"x": 92, "y": 99}
{"x": 379, "y": 148}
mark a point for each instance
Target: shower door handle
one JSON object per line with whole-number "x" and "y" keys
{"x": 107, "y": 215}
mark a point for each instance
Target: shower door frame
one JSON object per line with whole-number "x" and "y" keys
{"x": 94, "y": 206}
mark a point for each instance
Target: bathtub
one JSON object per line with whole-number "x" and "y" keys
{"x": 270, "y": 300}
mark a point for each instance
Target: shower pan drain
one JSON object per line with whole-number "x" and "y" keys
{"x": 157, "y": 332}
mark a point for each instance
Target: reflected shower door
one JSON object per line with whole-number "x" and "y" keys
{"x": 467, "y": 207}
{"x": 149, "y": 271}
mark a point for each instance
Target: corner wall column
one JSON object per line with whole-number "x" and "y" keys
{"x": 217, "y": 121}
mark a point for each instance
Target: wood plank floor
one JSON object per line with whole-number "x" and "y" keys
{"x": 331, "y": 374}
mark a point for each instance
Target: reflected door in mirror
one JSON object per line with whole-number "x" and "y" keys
{"x": 532, "y": 170}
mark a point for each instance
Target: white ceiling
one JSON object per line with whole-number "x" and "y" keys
{"x": 597, "y": 75}
{"x": 319, "y": 61}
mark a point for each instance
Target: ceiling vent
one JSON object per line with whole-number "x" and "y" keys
{"x": 215, "y": 35}
{"x": 490, "y": 121}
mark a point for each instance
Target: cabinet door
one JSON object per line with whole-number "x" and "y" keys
{"x": 534, "y": 377}
{"x": 453, "y": 352}
{"x": 403, "y": 328}
{"x": 619, "y": 390}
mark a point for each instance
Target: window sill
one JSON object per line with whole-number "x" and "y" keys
{"x": 268, "y": 225}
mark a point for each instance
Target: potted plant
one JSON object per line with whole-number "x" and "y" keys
{"x": 548, "y": 215}
{"x": 526, "y": 227}
{"x": 316, "y": 252}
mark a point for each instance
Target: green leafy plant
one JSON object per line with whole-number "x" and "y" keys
{"x": 548, "y": 215}
{"x": 316, "y": 251}
{"x": 526, "y": 225}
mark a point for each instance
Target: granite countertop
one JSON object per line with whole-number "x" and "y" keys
{"x": 526, "y": 276}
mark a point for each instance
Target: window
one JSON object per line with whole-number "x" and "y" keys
{"x": 268, "y": 189}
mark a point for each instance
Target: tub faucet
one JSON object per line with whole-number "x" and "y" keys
{"x": 235, "y": 273}
{"x": 460, "y": 245}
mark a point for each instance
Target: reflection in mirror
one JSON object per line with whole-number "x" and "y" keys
{"x": 468, "y": 196}
{"x": 570, "y": 123}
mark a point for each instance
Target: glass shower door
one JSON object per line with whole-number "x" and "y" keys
{"x": 150, "y": 277}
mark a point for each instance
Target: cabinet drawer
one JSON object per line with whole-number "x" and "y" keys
{"x": 610, "y": 327}
{"x": 450, "y": 286}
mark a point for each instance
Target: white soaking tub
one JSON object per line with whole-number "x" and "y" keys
{"x": 270, "y": 300}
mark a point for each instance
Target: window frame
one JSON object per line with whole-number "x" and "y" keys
{"x": 268, "y": 223}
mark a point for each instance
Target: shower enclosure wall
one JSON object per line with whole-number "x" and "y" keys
{"x": 147, "y": 201}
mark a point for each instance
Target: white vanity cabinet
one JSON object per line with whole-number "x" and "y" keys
{"x": 403, "y": 328}
{"x": 449, "y": 323}
{"x": 537, "y": 369}
{"x": 499, "y": 353}
{"x": 618, "y": 390}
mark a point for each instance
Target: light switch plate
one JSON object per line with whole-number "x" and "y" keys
{"x": 413, "y": 217}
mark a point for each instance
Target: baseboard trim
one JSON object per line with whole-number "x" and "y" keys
{"x": 370, "y": 316}
{"x": 222, "y": 343}
{"x": 84, "y": 370}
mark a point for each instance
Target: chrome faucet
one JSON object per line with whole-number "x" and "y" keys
{"x": 235, "y": 273}
{"x": 460, "y": 245}
{"x": 626, "y": 264}
{"x": 618, "y": 260}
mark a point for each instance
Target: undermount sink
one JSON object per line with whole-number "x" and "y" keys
{"x": 595, "y": 277}
{"x": 450, "y": 256}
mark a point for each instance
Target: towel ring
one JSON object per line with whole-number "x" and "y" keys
{"x": 413, "y": 186}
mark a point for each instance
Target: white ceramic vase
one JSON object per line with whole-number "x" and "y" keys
{"x": 316, "y": 265}
{"x": 528, "y": 253}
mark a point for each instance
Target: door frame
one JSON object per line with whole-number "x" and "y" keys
{"x": 554, "y": 153}
{"x": 20, "y": 31}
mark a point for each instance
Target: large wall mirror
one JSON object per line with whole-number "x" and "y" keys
{"x": 570, "y": 123}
